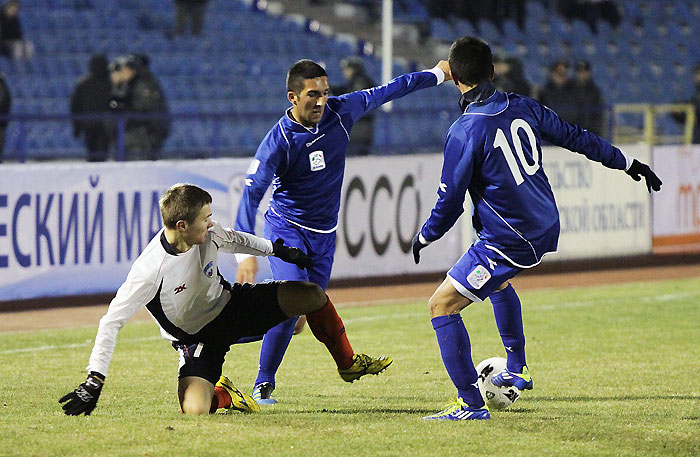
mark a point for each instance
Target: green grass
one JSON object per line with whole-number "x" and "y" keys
{"x": 616, "y": 370}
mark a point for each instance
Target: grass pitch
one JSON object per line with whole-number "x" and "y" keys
{"x": 615, "y": 369}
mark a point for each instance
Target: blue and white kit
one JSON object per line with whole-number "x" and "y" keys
{"x": 306, "y": 165}
{"x": 493, "y": 152}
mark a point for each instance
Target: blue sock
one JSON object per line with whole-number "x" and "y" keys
{"x": 273, "y": 348}
{"x": 456, "y": 353}
{"x": 509, "y": 319}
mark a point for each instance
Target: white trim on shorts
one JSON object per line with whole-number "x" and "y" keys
{"x": 463, "y": 290}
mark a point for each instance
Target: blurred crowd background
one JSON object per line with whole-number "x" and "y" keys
{"x": 162, "y": 79}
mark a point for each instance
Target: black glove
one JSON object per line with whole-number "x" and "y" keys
{"x": 84, "y": 398}
{"x": 291, "y": 255}
{"x": 639, "y": 169}
{"x": 417, "y": 246}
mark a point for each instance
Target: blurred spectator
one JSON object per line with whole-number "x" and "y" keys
{"x": 5, "y": 105}
{"x": 12, "y": 43}
{"x": 92, "y": 94}
{"x": 557, "y": 92}
{"x": 136, "y": 91}
{"x": 192, "y": 11}
{"x": 695, "y": 101}
{"x": 495, "y": 11}
{"x": 363, "y": 132}
{"x": 440, "y": 8}
{"x": 588, "y": 99}
{"x": 510, "y": 76}
{"x": 590, "y": 11}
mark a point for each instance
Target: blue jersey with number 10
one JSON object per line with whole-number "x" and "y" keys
{"x": 493, "y": 151}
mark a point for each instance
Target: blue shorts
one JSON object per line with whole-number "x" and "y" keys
{"x": 321, "y": 247}
{"x": 480, "y": 271}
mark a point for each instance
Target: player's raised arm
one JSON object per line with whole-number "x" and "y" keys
{"x": 572, "y": 137}
{"x": 360, "y": 102}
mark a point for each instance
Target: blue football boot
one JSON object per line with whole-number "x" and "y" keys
{"x": 458, "y": 410}
{"x": 521, "y": 381}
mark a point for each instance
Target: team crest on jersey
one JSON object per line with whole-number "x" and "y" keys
{"x": 317, "y": 161}
{"x": 209, "y": 269}
{"x": 478, "y": 277}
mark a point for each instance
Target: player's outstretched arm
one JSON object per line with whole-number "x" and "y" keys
{"x": 638, "y": 169}
{"x": 84, "y": 398}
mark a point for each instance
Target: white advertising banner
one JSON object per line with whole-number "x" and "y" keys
{"x": 603, "y": 212}
{"x": 76, "y": 228}
{"x": 677, "y": 206}
{"x": 70, "y": 229}
{"x": 385, "y": 202}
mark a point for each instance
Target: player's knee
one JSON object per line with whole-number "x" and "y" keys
{"x": 316, "y": 297}
{"x": 438, "y": 307}
{"x": 194, "y": 407}
{"x": 301, "y": 297}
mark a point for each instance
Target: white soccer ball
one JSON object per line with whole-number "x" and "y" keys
{"x": 495, "y": 397}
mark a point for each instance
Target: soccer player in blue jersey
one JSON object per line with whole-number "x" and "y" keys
{"x": 303, "y": 156}
{"x": 493, "y": 152}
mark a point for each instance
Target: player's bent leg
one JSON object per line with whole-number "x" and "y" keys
{"x": 455, "y": 348}
{"x": 297, "y": 298}
{"x": 447, "y": 300}
{"x": 507, "y": 311}
{"x": 196, "y": 395}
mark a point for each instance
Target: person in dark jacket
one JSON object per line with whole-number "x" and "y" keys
{"x": 12, "y": 42}
{"x": 137, "y": 91}
{"x": 357, "y": 79}
{"x": 92, "y": 95}
{"x": 192, "y": 11}
{"x": 510, "y": 76}
{"x": 557, "y": 93}
{"x": 5, "y": 105}
{"x": 590, "y": 107}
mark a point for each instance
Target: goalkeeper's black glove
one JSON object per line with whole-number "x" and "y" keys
{"x": 83, "y": 399}
{"x": 639, "y": 169}
{"x": 291, "y": 255}
{"x": 417, "y": 245}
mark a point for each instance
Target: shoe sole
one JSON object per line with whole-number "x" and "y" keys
{"x": 428, "y": 418}
{"x": 266, "y": 401}
{"x": 359, "y": 375}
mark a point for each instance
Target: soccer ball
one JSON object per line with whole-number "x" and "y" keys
{"x": 495, "y": 397}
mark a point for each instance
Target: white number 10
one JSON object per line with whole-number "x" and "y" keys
{"x": 502, "y": 142}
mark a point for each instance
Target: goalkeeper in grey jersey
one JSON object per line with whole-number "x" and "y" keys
{"x": 177, "y": 279}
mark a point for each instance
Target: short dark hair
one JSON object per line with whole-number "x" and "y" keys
{"x": 301, "y": 70}
{"x": 182, "y": 202}
{"x": 471, "y": 61}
